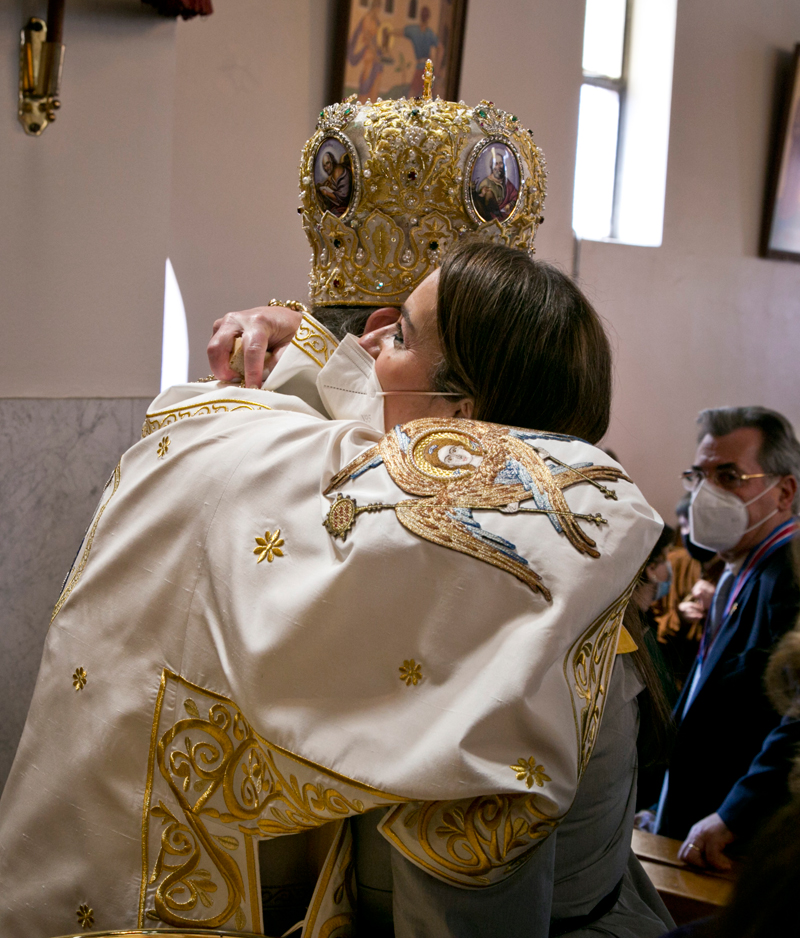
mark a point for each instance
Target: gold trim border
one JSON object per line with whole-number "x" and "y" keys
{"x": 204, "y": 409}
{"x": 74, "y": 577}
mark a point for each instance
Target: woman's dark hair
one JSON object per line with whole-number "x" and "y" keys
{"x": 526, "y": 345}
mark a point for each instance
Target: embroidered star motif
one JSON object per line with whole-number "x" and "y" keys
{"x": 269, "y": 546}
{"x": 528, "y": 771}
{"x": 79, "y": 679}
{"x": 411, "y": 672}
{"x": 85, "y": 916}
{"x": 163, "y": 446}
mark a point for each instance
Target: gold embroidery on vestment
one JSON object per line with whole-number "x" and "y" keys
{"x": 529, "y": 772}
{"x": 410, "y": 672}
{"x": 85, "y": 915}
{"x": 587, "y": 671}
{"x": 334, "y": 893}
{"x": 159, "y": 419}
{"x": 163, "y": 446}
{"x": 79, "y": 679}
{"x": 457, "y": 467}
{"x": 472, "y": 842}
{"x": 269, "y": 546}
{"x": 215, "y": 776}
{"x": 74, "y": 575}
{"x": 315, "y": 341}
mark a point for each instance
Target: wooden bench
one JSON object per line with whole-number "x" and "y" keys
{"x": 688, "y": 892}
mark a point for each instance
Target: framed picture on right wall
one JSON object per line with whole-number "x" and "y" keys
{"x": 782, "y": 228}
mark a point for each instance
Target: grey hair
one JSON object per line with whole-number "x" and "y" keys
{"x": 780, "y": 450}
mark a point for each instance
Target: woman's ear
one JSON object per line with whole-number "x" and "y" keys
{"x": 380, "y": 318}
{"x": 465, "y": 408}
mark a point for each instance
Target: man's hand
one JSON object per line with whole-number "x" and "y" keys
{"x": 706, "y": 842}
{"x": 263, "y": 329}
{"x": 644, "y": 820}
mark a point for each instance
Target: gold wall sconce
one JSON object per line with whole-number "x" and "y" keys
{"x": 41, "y": 57}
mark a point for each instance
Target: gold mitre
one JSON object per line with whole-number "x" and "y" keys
{"x": 387, "y": 187}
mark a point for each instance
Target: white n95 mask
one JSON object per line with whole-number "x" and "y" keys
{"x": 718, "y": 519}
{"x": 349, "y": 387}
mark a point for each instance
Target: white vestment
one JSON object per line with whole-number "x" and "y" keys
{"x": 221, "y": 669}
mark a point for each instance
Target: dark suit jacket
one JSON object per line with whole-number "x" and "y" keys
{"x": 732, "y": 751}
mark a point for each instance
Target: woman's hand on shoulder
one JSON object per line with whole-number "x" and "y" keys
{"x": 265, "y": 331}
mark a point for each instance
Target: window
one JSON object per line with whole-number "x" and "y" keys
{"x": 623, "y": 122}
{"x": 175, "y": 337}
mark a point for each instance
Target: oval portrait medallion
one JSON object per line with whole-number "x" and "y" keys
{"x": 333, "y": 176}
{"x": 494, "y": 182}
{"x": 442, "y": 454}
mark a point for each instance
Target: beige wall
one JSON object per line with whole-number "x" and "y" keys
{"x": 92, "y": 209}
{"x": 249, "y": 88}
{"x": 84, "y": 226}
{"x": 702, "y": 321}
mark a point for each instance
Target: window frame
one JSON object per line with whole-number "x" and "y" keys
{"x": 620, "y": 86}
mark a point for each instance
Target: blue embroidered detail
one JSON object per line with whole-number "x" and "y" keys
{"x": 464, "y": 516}
{"x": 370, "y": 465}
{"x": 402, "y": 438}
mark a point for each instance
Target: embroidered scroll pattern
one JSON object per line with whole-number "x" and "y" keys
{"x": 458, "y": 467}
{"x": 331, "y": 912}
{"x": 315, "y": 341}
{"x": 82, "y": 558}
{"x": 587, "y": 669}
{"x": 159, "y": 419}
{"x": 471, "y": 842}
{"x": 213, "y": 784}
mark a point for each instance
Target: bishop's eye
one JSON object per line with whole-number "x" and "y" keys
{"x": 398, "y": 335}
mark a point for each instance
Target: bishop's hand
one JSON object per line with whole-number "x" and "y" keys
{"x": 265, "y": 331}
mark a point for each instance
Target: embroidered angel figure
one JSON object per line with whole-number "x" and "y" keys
{"x": 457, "y": 467}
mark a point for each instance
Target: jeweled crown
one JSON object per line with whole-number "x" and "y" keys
{"x": 387, "y": 187}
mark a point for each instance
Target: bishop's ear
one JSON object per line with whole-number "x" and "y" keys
{"x": 380, "y": 318}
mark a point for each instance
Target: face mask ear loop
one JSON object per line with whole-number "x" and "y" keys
{"x": 770, "y": 515}
{"x": 424, "y": 393}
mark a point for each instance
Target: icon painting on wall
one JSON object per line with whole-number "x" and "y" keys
{"x": 781, "y": 238}
{"x": 495, "y": 182}
{"x": 382, "y": 47}
{"x": 333, "y": 176}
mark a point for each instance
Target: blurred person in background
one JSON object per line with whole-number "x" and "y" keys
{"x": 732, "y": 754}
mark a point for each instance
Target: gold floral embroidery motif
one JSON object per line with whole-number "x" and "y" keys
{"x": 163, "y": 446}
{"x": 159, "y": 419}
{"x": 75, "y": 574}
{"x": 214, "y": 787}
{"x": 85, "y": 916}
{"x": 456, "y": 467}
{"x": 315, "y": 341}
{"x": 529, "y": 772}
{"x": 472, "y": 842}
{"x": 587, "y": 670}
{"x": 269, "y": 546}
{"x": 79, "y": 679}
{"x": 411, "y": 673}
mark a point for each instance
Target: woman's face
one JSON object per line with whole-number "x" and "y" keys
{"x": 406, "y": 354}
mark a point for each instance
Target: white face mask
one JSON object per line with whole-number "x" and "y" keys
{"x": 349, "y": 386}
{"x": 718, "y": 519}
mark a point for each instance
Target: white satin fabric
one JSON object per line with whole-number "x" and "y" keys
{"x": 170, "y": 617}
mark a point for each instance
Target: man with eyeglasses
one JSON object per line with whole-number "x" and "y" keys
{"x": 732, "y": 752}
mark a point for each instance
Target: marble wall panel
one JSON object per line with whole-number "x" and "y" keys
{"x": 55, "y": 456}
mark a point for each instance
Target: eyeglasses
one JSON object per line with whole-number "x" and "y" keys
{"x": 724, "y": 477}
